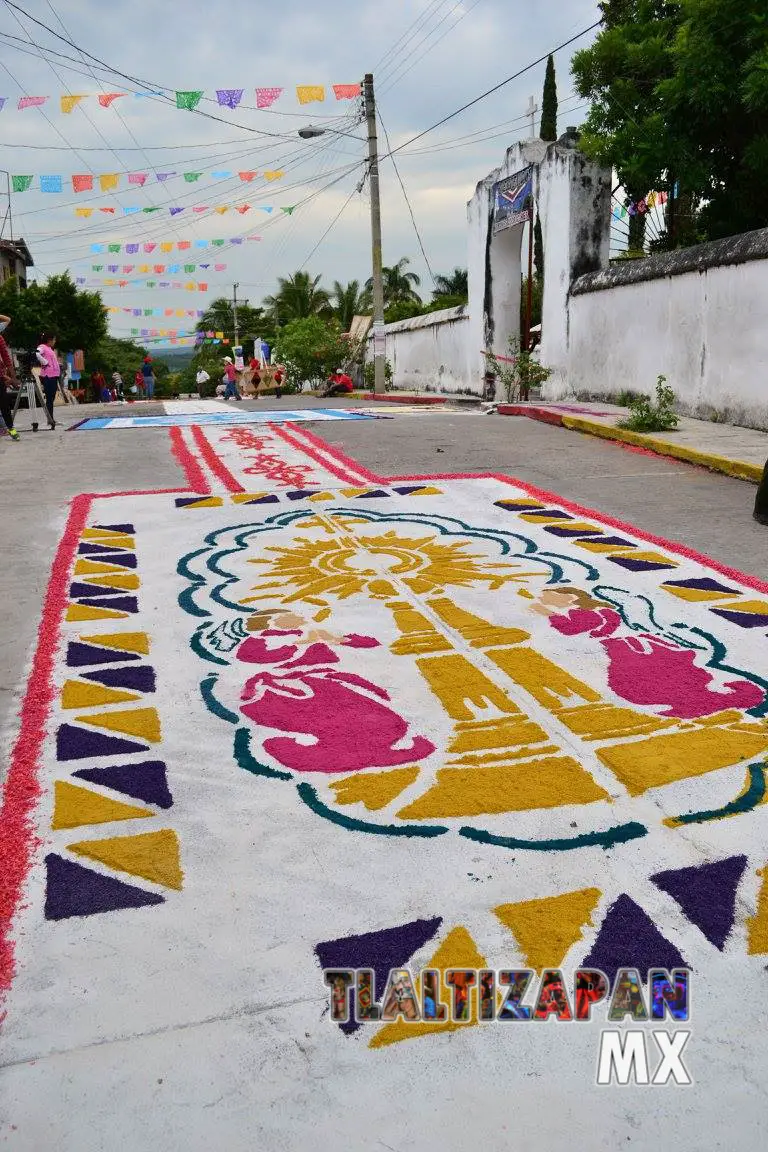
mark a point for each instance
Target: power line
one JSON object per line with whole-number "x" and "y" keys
{"x": 410, "y": 30}
{"x": 410, "y": 209}
{"x": 495, "y": 88}
{"x": 397, "y": 75}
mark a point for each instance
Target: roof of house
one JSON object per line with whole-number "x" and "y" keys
{"x": 18, "y": 248}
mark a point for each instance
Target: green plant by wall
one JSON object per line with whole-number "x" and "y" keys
{"x": 518, "y": 374}
{"x": 369, "y": 372}
{"x": 647, "y": 416}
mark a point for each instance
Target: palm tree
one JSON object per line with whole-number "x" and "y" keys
{"x": 399, "y": 285}
{"x": 349, "y": 302}
{"x": 297, "y": 297}
{"x": 456, "y": 284}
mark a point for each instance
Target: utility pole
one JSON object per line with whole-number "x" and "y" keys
{"x": 234, "y": 314}
{"x": 379, "y": 338}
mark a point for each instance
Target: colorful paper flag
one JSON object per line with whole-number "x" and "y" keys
{"x": 163, "y": 176}
{"x": 278, "y": 175}
{"x": 201, "y": 243}
{"x": 150, "y": 246}
{"x": 188, "y": 268}
{"x": 132, "y": 249}
{"x": 31, "y": 102}
{"x": 107, "y": 211}
{"x": 108, "y": 98}
{"x": 265, "y": 97}
{"x": 288, "y": 211}
{"x": 229, "y": 97}
{"x": 131, "y": 211}
{"x": 236, "y": 240}
{"x": 109, "y": 181}
{"x": 221, "y": 209}
{"x": 651, "y": 199}
{"x": 182, "y": 245}
{"x": 67, "y": 103}
{"x": 201, "y": 208}
{"x": 152, "y": 209}
{"x": 50, "y": 184}
{"x": 21, "y": 183}
{"x": 3, "y": 102}
{"x": 242, "y": 208}
{"x": 188, "y": 100}
{"x": 139, "y": 178}
{"x": 114, "y": 248}
{"x": 159, "y": 268}
{"x": 166, "y": 246}
{"x": 82, "y": 183}
{"x": 221, "y": 175}
{"x": 192, "y": 177}
{"x": 175, "y": 211}
{"x": 246, "y": 177}
{"x": 266, "y": 208}
{"x": 310, "y": 93}
{"x": 218, "y": 243}
{"x": 346, "y": 91}
{"x": 83, "y": 212}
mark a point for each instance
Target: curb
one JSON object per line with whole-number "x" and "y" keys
{"x": 739, "y": 469}
{"x": 393, "y": 398}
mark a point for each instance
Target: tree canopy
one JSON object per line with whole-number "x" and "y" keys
{"x": 297, "y": 297}
{"x": 219, "y": 317}
{"x": 57, "y": 306}
{"x": 679, "y": 92}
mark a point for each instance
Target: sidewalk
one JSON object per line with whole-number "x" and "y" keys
{"x": 739, "y": 452}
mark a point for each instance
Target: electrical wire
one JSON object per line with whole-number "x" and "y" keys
{"x": 397, "y": 76}
{"x": 407, "y": 201}
{"x": 410, "y": 31}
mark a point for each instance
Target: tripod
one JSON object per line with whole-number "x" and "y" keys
{"x": 33, "y": 390}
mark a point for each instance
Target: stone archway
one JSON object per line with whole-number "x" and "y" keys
{"x": 573, "y": 197}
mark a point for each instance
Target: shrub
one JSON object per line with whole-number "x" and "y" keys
{"x": 369, "y": 371}
{"x": 518, "y": 374}
{"x": 645, "y": 416}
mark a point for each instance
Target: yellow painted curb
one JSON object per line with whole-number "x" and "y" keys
{"x": 738, "y": 468}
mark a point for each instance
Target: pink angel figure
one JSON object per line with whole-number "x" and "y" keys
{"x": 646, "y": 669}
{"x": 345, "y": 716}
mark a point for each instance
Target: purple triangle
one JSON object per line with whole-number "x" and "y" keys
{"x": 144, "y": 781}
{"x": 390, "y": 948}
{"x": 119, "y": 603}
{"x": 186, "y": 501}
{"x": 88, "y": 549}
{"x": 407, "y": 491}
{"x": 743, "y": 619}
{"x": 301, "y": 493}
{"x": 81, "y": 655}
{"x": 73, "y": 890}
{"x": 124, "y": 529}
{"x": 265, "y": 500}
{"x": 370, "y": 495}
{"x": 707, "y": 894}
{"x": 140, "y": 679}
{"x": 628, "y": 939}
{"x": 77, "y": 590}
{"x": 80, "y": 743}
{"x": 121, "y": 559}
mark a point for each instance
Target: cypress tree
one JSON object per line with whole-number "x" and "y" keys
{"x": 548, "y": 129}
{"x": 538, "y": 248}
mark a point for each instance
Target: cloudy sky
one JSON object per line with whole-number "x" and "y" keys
{"x": 428, "y": 57}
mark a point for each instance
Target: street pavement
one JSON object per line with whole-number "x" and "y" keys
{"x": 180, "y": 1034}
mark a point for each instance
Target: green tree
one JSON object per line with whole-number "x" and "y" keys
{"x": 548, "y": 130}
{"x": 538, "y": 248}
{"x": 399, "y": 286}
{"x": 715, "y": 103}
{"x": 627, "y": 126}
{"x": 311, "y": 348}
{"x": 251, "y": 322}
{"x": 455, "y": 284}
{"x": 298, "y": 297}
{"x": 349, "y": 302}
{"x": 77, "y": 318}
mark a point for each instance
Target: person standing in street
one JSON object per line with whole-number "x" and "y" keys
{"x": 7, "y": 376}
{"x": 148, "y": 373}
{"x": 230, "y": 379}
{"x": 761, "y": 501}
{"x": 50, "y": 371}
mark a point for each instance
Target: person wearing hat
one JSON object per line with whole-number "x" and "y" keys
{"x": 230, "y": 380}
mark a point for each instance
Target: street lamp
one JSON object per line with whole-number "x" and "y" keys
{"x": 377, "y": 278}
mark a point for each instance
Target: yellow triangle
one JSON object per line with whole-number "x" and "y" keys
{"x": 374, "y": 789}
{"x": 77, "y": 694}
{"x": 75, "y": 806}
{"x": 245, "y": 497}
{"x": 128, "y": 581}
{"x": 458, "y": 950}
{"x": 83, "y": 612}
{"x": 757, "y": 925}
{"x": 546, "y": 929}
{"x": 126, "y": 543}
{"x": 104, "y": 533}
{"x": 86, "y": 567}
{"x": 141, "y": 722}
{"x": 322, "y": 496}
{"x": 122, "y": 641}
{"x": 152, "y": 855}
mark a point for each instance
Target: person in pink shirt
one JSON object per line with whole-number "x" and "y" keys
{"x": 51, "y": 372}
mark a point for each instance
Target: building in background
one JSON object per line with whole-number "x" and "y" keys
{"x": 15, "y": 258}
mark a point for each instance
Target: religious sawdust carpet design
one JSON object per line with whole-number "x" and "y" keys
{"x": 303, "y": 715}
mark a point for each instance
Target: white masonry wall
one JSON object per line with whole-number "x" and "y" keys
{"x": 697, "y": 316}
{"x": 429, "y": 353}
